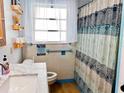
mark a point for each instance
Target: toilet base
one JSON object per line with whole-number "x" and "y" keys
{"x": 51, "y": 82}
{"x": 52, "y": 76}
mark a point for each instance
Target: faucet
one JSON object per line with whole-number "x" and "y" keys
{"x": 5, "y": 67}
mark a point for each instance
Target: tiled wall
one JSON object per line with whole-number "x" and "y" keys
{"x": 13, "y": 55}
{"x": 61, "y": 64}
{"x": 96, "y": 55}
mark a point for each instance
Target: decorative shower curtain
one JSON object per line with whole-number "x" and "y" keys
{"x": 97, "y": 47}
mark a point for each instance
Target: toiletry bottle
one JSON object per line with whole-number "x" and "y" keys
{"x": 6, "y": 64}
{"x": 1, "y": 72}
{"x": 5, "y": 59}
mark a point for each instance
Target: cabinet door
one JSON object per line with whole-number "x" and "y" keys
{"x": 2, "y": 25}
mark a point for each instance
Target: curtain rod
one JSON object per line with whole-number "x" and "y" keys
{"x": 85, "y": 4}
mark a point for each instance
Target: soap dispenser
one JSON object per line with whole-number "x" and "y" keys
{"x": 6, "y": 64}
{"x": 5, "y": 59}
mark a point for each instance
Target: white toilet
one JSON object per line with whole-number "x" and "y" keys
{"x": 52, "y": 77}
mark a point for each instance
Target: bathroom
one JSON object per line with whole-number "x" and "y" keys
{"x": 61, "y": 46}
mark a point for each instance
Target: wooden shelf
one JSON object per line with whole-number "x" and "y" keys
{"x": 18, "y": 45}
{"x": 17, "y": 9}
{"x": 17, "y": 12}
{"x": 18, "y": 42}
{"x": 16, "y": 19}
{"x": 17, "y": 27}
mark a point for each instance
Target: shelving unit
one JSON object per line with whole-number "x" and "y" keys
{"x": 18, "y": 42}
{"x": 16, "y": 26}
{"x": 16, "y": 17}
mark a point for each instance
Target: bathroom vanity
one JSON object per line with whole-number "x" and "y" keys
{"x": 25, "y": 78}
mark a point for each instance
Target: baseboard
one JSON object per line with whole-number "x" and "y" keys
{"x": 65, "y": 81}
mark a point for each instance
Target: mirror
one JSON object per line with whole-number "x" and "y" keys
{"x": 2, "y": 25}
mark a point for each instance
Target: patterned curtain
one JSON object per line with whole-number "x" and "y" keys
{"x": 97, "y": 47}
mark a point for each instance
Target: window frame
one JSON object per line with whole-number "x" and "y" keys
{"x": 49, "y": 42}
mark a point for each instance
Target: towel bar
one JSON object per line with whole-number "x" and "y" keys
{"x": 53, "y": 51}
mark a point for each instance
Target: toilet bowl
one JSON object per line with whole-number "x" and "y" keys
{"x": 52, "y": 76}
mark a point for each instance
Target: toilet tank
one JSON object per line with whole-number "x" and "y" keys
{"x": 28, "y": 61}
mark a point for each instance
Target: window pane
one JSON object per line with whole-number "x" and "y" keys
{"x": 63, "y": 36}
{"x": 53, "y": 25}
{"x": 41, "y": 36}
{"x": 53, "y": 36}
{"x": 40, "y": 12}
{"x": 45, "y": 24}
{"x": 58, "y": 13}
{"x": 52, "y": 13}
{"x": 63, "y": 13}
{"x": 40, "y": 24}
{"x": 63, "y": 25}
{"x": 50, "y": 24}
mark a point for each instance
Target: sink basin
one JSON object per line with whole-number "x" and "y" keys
{"x": 20, "y": 84}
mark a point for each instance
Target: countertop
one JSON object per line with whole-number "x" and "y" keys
{"x": 28, "y": 69}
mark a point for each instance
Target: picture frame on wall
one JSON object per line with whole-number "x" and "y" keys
{"x": 82, "y": 3}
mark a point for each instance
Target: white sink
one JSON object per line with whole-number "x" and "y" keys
{"x": 20, "y": 84}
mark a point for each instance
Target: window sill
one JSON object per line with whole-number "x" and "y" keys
{"x": 51, "y": 43}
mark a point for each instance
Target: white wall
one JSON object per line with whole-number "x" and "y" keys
{"x": 13, "y": 55}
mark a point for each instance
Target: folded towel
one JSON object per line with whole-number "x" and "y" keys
{"x": 41, "y": 49}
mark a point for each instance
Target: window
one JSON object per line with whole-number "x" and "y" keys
{"x": 50, "y": 24}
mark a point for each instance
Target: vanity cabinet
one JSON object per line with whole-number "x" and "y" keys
{"x": 2, "y": 25}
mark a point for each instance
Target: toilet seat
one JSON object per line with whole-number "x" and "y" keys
{"x": 51, "y": 75}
